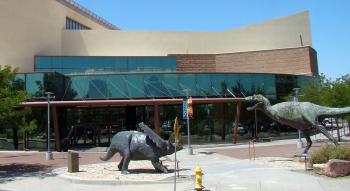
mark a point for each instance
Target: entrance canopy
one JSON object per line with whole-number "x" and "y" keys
{"x": 131, "y": 102}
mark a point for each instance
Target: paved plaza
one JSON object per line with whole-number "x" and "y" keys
{"x": 227, "y": 167}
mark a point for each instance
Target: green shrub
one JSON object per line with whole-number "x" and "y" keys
{"x": 328, "y": 152}
{"x": 341, "y": 152}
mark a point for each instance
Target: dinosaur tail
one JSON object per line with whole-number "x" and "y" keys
{"x": 109, "y": 155}
{"x": 335, "y": 111}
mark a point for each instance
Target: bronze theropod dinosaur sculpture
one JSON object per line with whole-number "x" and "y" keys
{"x": 135, "y": 145}
{"x": 298, "y": 115}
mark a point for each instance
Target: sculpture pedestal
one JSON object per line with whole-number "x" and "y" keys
{"x": 73, "y": 161}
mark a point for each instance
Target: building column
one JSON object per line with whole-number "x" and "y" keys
{"x": 256, "y": 123}
{"x": 156, "y": 119}
{"x": 56, "y": 129}
{"x": 223, "y": 129}
{"x": 237, "y": 118}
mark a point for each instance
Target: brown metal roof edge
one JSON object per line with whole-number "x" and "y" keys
{"x": 138, "y": 102}
{"x": 87, "y": 13}
{"x": 177, "y": 72}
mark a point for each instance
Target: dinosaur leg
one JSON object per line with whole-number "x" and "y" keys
{"x": 126, "y": 161}
{"x": 120, "y": 165}
{"x": 308, "y": 140}
{"x": 325, "y": 132}
{"x": 158, "y": 166}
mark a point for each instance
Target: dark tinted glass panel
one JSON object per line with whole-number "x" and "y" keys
{"x": 285, "y": 85}
{"x": 170, "y": 85}
{"x": 74, "y": 25}
{"x": 203, "y": 84}
{"x": 117, "y": 86}
{"x": 187, "y": 84}
{"x": 34, "y": 82}
{"x": 19, "y": 82}
{"x": 97, "y": 87}
{"x": 218, "y": 84}
{"x": 95, "y": 65}
{"x": 154, "y": 86}
{"x": 135, "y": 86}
{"x": 80, "y": 84}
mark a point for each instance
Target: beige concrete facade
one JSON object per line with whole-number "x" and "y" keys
{"x": 37, "y": 27}
{"x": 280, "y": 33}
{"x": 34, "y": 27}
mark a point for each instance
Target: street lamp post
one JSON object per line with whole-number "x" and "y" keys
{"x": 300, "y": 143}
{"x": 49, "y": 155}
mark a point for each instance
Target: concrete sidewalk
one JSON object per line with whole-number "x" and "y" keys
{"x": 220, "y": 173}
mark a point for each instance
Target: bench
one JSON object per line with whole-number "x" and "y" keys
{"x": 268, "y": 139}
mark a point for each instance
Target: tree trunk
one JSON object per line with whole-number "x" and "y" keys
{"x": 25, "y": 140}
{"x": 15, "y": 138}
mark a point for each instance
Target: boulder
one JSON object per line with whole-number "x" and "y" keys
{"x": 319, "y": 168}
{"x": 333, "y": 168}
{"x": 336, "y": 167}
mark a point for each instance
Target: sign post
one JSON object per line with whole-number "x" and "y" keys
{"x": 176, "y": 133}
{"x": 49, "y": 155}
{"x": 187, "y": 113}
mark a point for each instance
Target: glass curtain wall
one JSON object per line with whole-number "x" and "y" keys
{"x": 171, "y": 85}
{"x": 96, "y": 65}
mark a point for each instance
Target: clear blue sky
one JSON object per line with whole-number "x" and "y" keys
{"x": 330, "y": 20}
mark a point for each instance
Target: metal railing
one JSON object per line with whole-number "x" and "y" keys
{"x": 84, "y": 11}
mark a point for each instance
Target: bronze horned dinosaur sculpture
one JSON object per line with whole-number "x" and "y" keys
{"x": 298, "y": 115}
{"x": 135, "y": 145}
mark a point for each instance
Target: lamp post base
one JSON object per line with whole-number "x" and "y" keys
{"x": 190, "y": 150}
{"x": 49, "y": 156}
{"x": 300, "y": 144}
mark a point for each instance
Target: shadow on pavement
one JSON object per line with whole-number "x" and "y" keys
{"x": 10, "y": 172}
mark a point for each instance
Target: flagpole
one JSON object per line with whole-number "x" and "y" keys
{"x": 176, "y": 135}
{"x": 175, "y": 169}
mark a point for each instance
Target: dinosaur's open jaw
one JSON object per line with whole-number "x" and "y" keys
{"x": 253, "y": 107}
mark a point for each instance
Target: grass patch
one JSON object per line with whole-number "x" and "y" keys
{"x": 328, "y": 152}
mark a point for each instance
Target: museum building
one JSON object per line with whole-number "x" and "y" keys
{"x": 106, "y": 79}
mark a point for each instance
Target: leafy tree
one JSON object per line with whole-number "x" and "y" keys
{"x": 11, "y": 116}
{"x": 317, "y": 91}
{"x": 327, "y": 92}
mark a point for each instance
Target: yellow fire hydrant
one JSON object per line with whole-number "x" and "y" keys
{"x": 198, "y": 173}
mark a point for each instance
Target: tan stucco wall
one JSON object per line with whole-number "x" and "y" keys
{"x": 33, "y": 27}
{"x": 280, "y": 33}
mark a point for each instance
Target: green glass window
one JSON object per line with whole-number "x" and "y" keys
{"x": 128, "y": 86}
{"x": 96, "y": 65}
{"x": 187, "y": 84}
{"x": 154, "y": 86}
{"x": 135, "y": 85}
{"x": 171, "y": 85}
{"x": 203, "y": 84}
{"x": 117, "y": 86}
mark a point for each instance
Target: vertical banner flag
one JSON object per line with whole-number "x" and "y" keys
{"x": 176, "y": 131}
{"x": 189, "y": 108}
{"x": 184, "y": 108}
